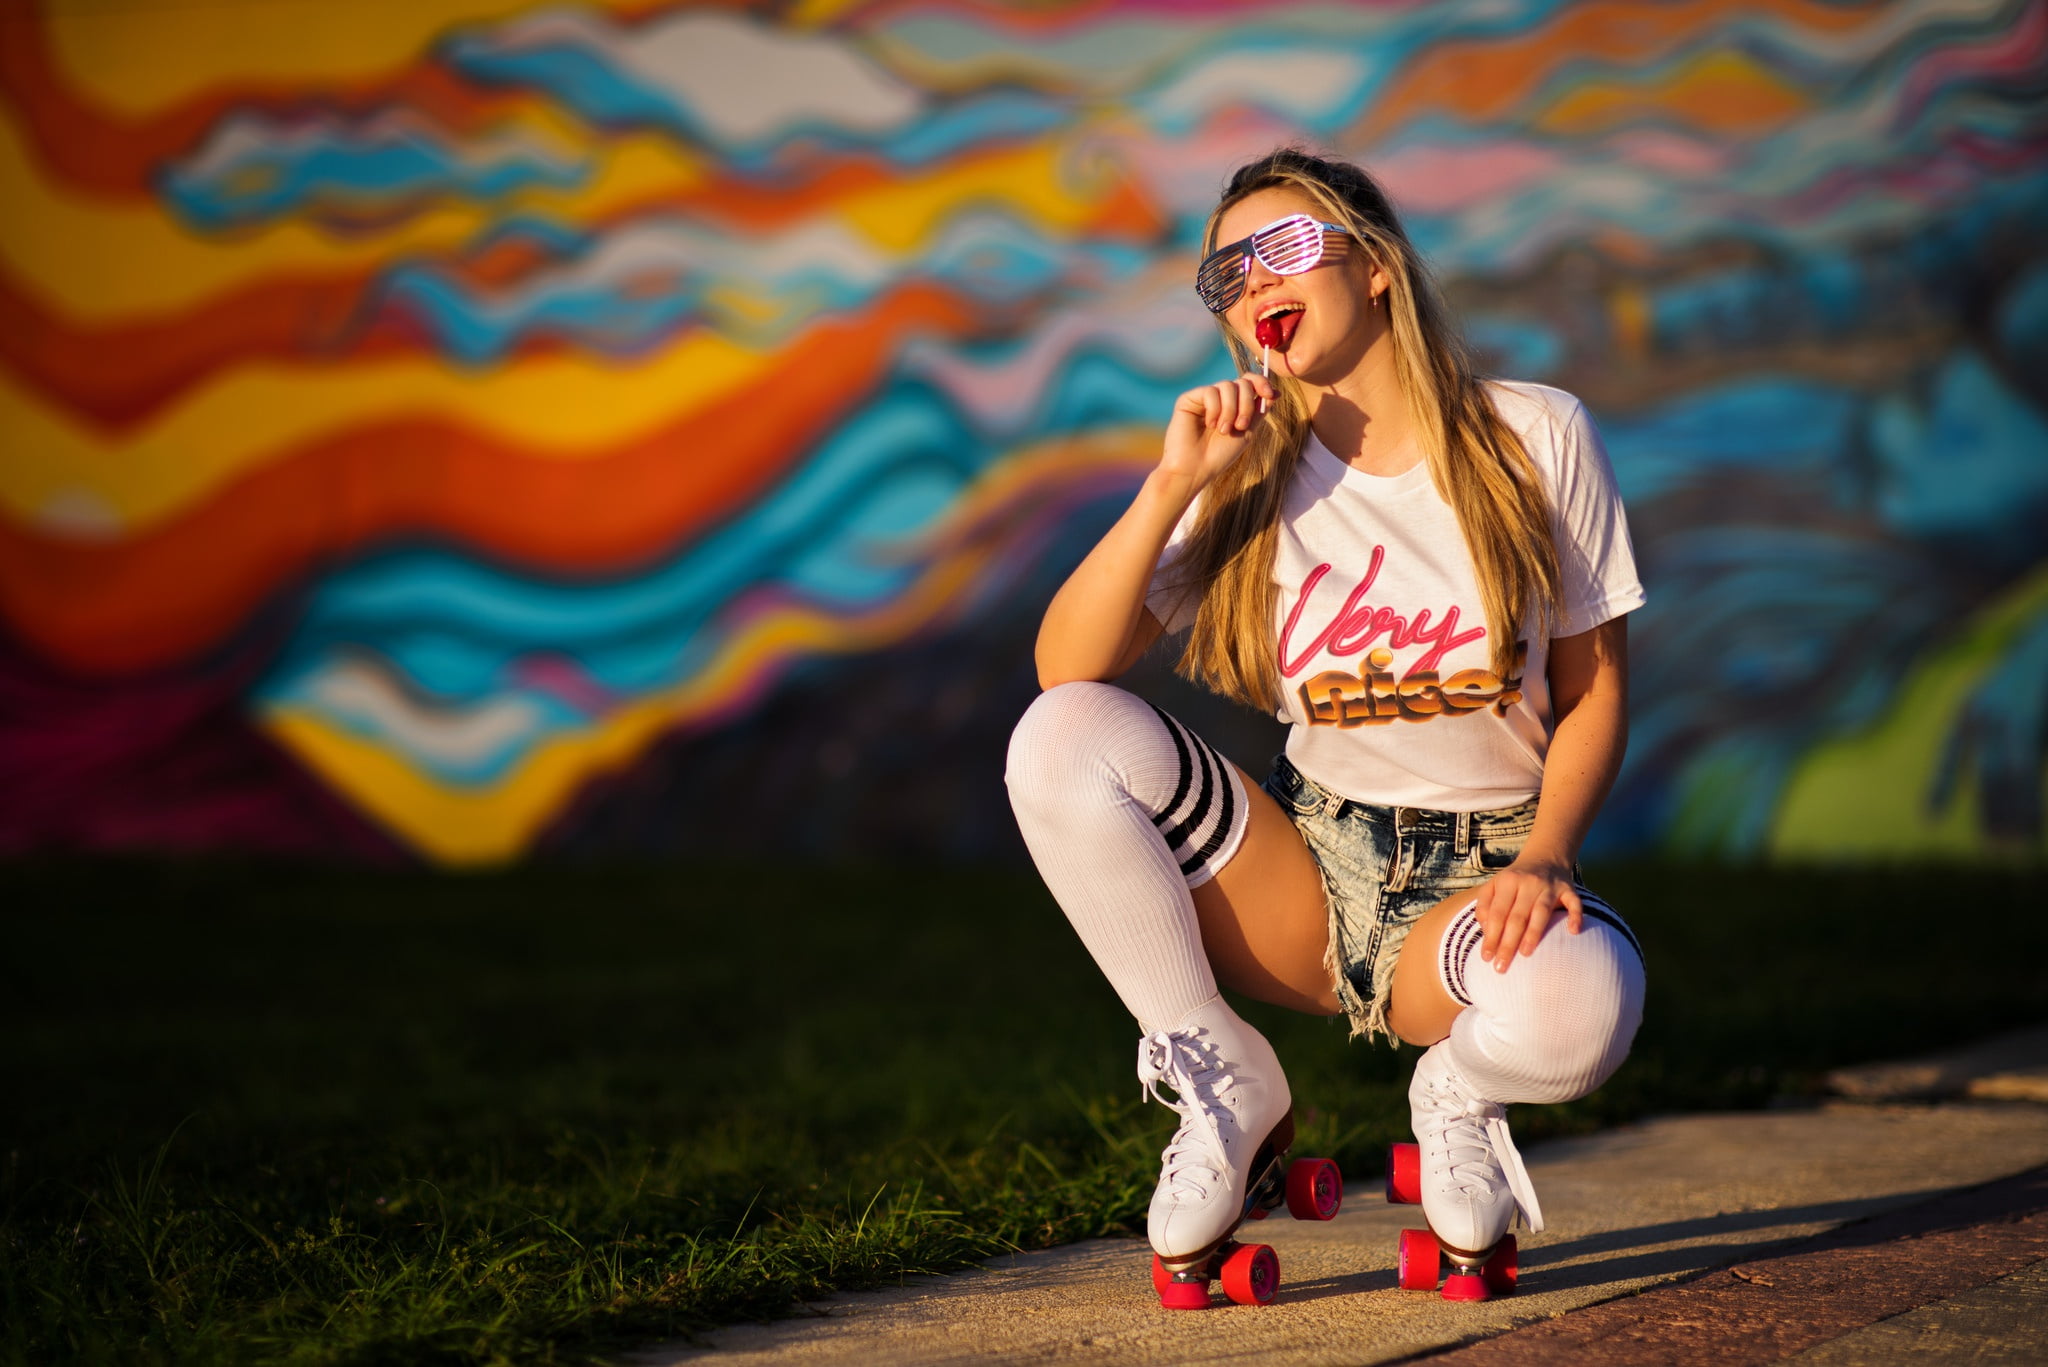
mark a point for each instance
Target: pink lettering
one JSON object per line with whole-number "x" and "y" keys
{"x": 1445, "y": 637}
{"x": 1358, "y": 624}
{"x": 1308, "y": 586}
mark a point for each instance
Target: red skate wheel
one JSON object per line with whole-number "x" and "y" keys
{"x": 1160, "y": 1276}
{"x": 1465, "y": 1285}
{"x": 1419, "y": 1260}
{"x": 1499, "y": 1271}
{"x": 1251, "y": 1275}
{"x": 1315, "y": 1189}
{"x": 1404, "y": 1175}
{"x": 1185, "y": 1296}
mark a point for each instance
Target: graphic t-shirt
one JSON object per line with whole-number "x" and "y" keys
{"x": 1383, "y": 645}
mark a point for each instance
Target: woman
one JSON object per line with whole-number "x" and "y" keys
{"x": 1426, "y": 574}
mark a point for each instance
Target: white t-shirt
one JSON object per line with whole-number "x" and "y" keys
{"x": 1381, "y": 633}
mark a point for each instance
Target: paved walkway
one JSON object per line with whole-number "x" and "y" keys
{"x": 1642, "y": 1209}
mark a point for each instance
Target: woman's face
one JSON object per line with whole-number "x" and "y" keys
{"x": 1336, "y": 321}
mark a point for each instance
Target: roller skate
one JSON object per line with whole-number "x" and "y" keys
{"x": 1466, "y": 1174}
{"x": 1227, "y": 1163}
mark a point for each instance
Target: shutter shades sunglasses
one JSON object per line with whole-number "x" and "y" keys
{"x": 1286, "y": 246}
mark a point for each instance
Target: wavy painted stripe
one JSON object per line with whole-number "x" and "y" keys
{"x": 1154, "y": 326}
{"x": 254, "y": 167}
{"x": 464, "y": 825}
{"x": 161, "y": 56}
{"x": 1491, "y": 76}
{"x": 276, "y": 319}
{"x": 109, "y": 262}
{"x": 467, "y": 826}
{"x": 892, "y": 215}
{"x": 643, "y": 281}
{"x": 727, "y": 80}
{"x": 118, "y": 606}
{"x": 95, "y": 148}
{"x": 1724, "y": 93}
{"x": 550, "y": 406}
{"x": 836, "y": 530}
{"x": 456, "y": 643}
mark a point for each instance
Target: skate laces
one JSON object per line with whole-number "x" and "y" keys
{"x": 1476, "y": 1136}
{"x": 1193, "y": 1069}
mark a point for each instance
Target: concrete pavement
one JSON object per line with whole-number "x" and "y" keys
{"x": 1632, "y": 1210}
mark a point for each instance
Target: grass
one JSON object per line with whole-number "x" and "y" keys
{"x": 308, "y": 1116}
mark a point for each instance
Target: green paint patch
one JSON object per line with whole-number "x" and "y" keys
{"x": 1870, "y": 795}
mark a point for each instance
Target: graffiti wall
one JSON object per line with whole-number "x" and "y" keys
{"x": 465, "y": 430}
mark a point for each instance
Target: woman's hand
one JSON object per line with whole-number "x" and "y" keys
{"x": 1515, "y": 909}
{"x": 1210, "y": 426}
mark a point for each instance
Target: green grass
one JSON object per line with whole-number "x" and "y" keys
{"x": 290, "y": 1115}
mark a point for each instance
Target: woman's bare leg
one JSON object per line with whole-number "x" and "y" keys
{"x": 1419, "y": 1010}
{"x": 1265, "y": 919}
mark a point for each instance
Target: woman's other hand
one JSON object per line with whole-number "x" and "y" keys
{"x": 1516, "y": 908}
{"x": 1210, "y": 426}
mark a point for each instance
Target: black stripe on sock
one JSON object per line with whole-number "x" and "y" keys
{"x": 1229, "y": 814}
{"x": 1598, "y": 909}
{"x": 1177, "y": 834}
{"x": 1457, "y": 944}
{"x": 1186, "y": 770}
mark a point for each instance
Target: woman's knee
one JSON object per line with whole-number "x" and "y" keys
{"x": 1056, "y": 731}
{"x": 1590, "y": 1007}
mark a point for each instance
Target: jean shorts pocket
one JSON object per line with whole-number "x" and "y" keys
{"x": 1302, "y": 801}
{"x": 1288, "y": 788}
{"x": 1497, "y": 852}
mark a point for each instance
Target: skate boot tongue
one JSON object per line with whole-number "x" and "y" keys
{"x": 1193, "y": 1069}
{"x": 1492, "y": 1122}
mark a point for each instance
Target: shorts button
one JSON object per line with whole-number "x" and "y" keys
{"x": 1406, "y": 818}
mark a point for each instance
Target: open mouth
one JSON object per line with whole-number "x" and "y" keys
{"x": 1275, "y": 329}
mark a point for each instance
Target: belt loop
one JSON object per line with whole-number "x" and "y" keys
{"x": 1464, "y": 842}
{"x": 1333, "y": 803}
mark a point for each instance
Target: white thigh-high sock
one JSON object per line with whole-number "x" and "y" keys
{"x": 1556, "y": 1024}
{"x": 1124, "y": 810}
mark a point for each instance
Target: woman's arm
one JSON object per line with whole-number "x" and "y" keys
{"x": 1096, "y": 626}
{"x": 1589, "y": 697}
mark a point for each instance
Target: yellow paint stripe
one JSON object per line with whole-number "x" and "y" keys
{"x": 97, "y": 263}
{"x": 809, "y": 14}
{"x": 137, "y": 56}
{"x": 562, "y": 406}
{"x": 1741, "y": 93}
{"x": 466, "y": 826}
{"x": 471, "y": 826}
{"x": 899, "y": 217}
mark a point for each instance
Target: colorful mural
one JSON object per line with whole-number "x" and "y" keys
{"x": 467, "y": 429}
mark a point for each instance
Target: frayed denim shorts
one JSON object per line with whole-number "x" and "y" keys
{"x": 1383, "y": 867}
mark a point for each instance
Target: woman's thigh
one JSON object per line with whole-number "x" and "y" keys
{"x": 1265, "y": 919}
{"x": 1419, "y": 1010}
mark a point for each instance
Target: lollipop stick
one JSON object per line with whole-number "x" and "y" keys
{"x": 1265, "y": 371}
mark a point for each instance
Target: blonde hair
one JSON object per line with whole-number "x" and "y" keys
{"x": 1477, "y": 463}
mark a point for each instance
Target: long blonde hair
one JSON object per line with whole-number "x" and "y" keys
{"x": 1477, "y": 463}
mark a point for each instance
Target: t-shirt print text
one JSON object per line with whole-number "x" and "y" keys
{"x": 1373, "y": 695}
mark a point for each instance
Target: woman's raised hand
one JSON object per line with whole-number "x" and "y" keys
{"x": 1210, "y": 426}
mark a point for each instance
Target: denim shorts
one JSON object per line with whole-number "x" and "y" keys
{"x": 1383, "y": 867}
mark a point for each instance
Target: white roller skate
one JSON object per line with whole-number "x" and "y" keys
{"x": 1226, "y": 1162}
{"x": 1469, "y": 1179}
